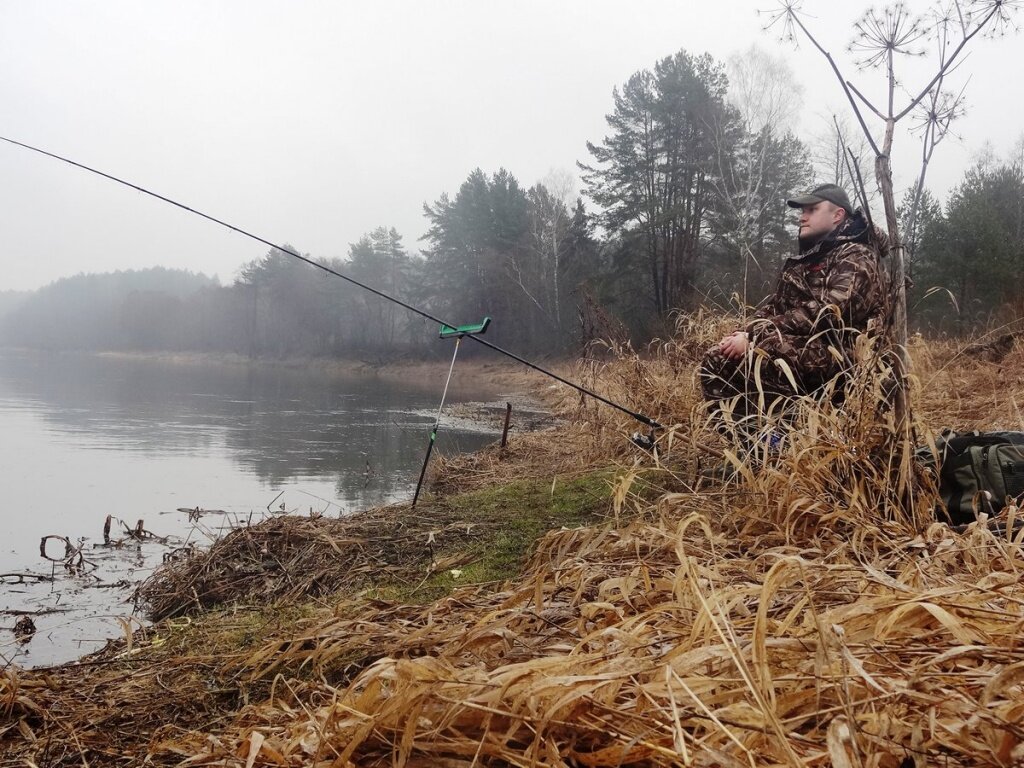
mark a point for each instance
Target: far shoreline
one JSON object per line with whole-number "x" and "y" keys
{"x": 483, "y": 377}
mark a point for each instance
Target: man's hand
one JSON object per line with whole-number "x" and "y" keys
{"x": 735, "y": 345}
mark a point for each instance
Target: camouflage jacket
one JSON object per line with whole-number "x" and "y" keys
{"x": 824, "y": 298}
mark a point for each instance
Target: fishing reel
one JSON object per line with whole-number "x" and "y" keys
{"x": 646, "y": 442}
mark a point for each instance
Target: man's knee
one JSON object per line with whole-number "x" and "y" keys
{"x": 716, "y": 375}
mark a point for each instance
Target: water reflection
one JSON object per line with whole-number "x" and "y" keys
{"x": 89, "y": 436}
{"x": 277, "y": 423}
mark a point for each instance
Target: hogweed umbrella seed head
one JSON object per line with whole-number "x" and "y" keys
{"x": 998, "y": 16}
{"x": 783, "y": 19}
{"x": 939, "y": 110}
{"x": 893, "y": 30}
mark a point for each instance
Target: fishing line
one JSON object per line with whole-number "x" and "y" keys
{"x": 415, "y": 310}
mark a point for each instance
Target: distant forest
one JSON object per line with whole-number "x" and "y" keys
{"x": 687, "y": 194}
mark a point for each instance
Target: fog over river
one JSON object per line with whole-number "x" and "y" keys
{"x": 87, "y": 436}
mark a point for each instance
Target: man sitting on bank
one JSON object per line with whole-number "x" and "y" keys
{"x": 829, "y": 292}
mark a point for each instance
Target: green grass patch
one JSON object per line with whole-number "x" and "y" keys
{"x": 507, "y": 521}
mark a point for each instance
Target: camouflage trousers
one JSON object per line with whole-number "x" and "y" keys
{"x": 777, "y": 365}
{"x": 751, "y": 386}
{"x": 755, "y": 392}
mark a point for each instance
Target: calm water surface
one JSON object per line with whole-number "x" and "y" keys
{"x": 82, "y": 437}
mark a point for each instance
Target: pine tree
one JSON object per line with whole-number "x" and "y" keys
{"x": 652, "y": 172}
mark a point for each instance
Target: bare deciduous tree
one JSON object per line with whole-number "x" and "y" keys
{"x": 756, "y": 155}
{"x": 549, "y": 231}
{"x": 830, "y": 146}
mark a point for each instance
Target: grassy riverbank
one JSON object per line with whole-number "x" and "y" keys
{"x": 575, "y": 601}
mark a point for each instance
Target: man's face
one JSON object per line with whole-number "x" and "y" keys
{"x": 818, "y": 220}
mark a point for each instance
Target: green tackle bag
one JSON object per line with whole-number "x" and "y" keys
{"x": 978, "y": 472}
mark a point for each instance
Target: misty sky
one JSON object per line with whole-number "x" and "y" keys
{"x": 312, "y": 123}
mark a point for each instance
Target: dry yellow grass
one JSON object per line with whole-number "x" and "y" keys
{"x": 665, "y": 643}
{"x": 807, "y": 611}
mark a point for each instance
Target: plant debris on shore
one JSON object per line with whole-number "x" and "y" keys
{"x": 804, "y": 612}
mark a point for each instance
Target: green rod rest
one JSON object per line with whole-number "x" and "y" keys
{"x": 448, "y": 332}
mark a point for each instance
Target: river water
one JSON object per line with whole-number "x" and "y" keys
{"x": 83, "y": 437}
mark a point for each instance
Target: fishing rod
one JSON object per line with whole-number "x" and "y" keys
{"x": 415, "y": 310}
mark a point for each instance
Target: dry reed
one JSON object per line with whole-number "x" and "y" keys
{"x": 669, "y": 643}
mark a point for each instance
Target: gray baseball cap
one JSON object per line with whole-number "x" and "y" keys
{"x": 833, "y": 193}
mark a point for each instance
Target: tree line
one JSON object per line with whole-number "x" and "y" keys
{"x": 686, "y": 197}
{"x": 967, "y": 257}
